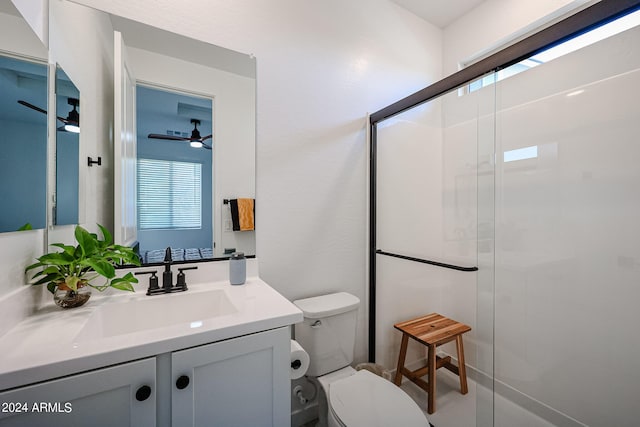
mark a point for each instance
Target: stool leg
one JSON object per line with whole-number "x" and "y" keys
{"x": 431, "y": 405}
{"x": 462, "y": 370}
{"x": 403, "y": 353}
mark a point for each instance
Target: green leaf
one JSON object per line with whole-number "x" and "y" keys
{"x": 51, "y": 270}
{"x": 72, "y": 282}
{"x": 32, "y": 266}
{"x": 25, "y": 227}
{"x": 86, "y": 241}
{"x": 123, "y": 286}
{"x": 129, "y": 277}
{"x": 70, "y": 250}
{"x": 52, "y": 287}
{"x": 57, "y": 258}
{"x": 103, "y": 268}
{"x": 105, "y": 233}
{"x": 125, "y": 282}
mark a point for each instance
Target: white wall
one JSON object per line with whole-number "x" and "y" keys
{"x": 321, "y": 67}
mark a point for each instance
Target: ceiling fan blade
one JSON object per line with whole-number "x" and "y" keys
{"x": 167, "y": 137}
{"x": 206, "y": 137}
{"x": 43, "y": 111}
{"x": 208, "y": 147}
{"x": 33, "y": 107}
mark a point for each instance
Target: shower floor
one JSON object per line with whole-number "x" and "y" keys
{"x": 456, "y": 410}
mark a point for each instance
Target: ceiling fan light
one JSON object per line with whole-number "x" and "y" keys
{"x": 72, "y": 128}
{"x": 73, "y": 119}
{"x": 196, "y": 144}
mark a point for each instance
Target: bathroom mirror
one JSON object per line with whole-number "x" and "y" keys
{"x": 67, "y": 142}
{"x": 185, "y": 86}
{"x": 82, "y": 40}
{"x": 23, "y": 120}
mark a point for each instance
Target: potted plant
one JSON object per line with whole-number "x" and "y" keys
{"x": 71, "y": 272}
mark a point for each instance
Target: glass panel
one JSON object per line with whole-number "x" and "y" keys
{"x": 427, "y": 175}
{"x": 485, "y": 170}
{"x": 567, "y": 239}
{"x": 23, "y": 121}
{"x": 23, "y": 141}
{"x": 67, "y": 150}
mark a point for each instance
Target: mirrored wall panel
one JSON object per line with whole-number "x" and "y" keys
{"x": 118, "y": 60}
{"x": 195, "y": 121}
{"x": 23, "y": 124}
{"x": 67, "y": 150}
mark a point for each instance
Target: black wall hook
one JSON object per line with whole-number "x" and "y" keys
{"x": 92, "y": 162}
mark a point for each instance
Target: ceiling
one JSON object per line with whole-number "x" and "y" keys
{"x": 438, "y": 12}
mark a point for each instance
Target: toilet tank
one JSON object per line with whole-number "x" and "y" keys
{"x": 328, "y": 332}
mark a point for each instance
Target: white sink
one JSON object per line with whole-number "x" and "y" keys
{"x": 159, "y": 311}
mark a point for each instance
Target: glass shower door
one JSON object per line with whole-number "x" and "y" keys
{"x": 566, "y": 245}
{"x": 426, "y": 203}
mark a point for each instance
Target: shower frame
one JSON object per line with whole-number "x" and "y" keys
{"x": 570, "y": 27}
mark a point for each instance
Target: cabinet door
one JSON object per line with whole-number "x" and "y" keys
{"x": 105, "y": 397}
{"x": 235, "y": 383}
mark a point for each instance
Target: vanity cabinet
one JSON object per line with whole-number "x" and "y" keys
{"x": 122, "y": 395}
{"x": 242, "y": 381}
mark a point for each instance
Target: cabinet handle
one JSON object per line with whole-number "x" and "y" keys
{"x": 182, "y": 382}
{"x": 143, "y": 393}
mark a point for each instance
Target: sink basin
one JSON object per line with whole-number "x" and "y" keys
{"x": 152, "y": 312}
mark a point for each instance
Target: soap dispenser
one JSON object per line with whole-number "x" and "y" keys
{"x": 237, "y": 268}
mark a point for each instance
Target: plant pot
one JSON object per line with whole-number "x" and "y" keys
{"x": 66, "y": 297}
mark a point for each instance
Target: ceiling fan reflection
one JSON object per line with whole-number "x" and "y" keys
{"x": 69, "y": 124}
{"x": 195, "y": 140}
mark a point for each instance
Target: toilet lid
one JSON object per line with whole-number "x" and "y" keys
{"x": 367, "y": 400}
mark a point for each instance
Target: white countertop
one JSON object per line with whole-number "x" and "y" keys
{"x": 54, "y": 342}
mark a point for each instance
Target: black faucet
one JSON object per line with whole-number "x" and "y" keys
{"x": 167, "y": 276}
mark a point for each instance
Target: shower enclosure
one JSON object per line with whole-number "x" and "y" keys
{"x": 526, "y": 166}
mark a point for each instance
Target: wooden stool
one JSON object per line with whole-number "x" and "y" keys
{"x": 432, "y": 330}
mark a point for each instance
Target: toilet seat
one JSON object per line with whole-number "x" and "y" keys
{"x": 367, "y": 400}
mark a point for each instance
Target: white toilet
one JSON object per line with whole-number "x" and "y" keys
{"x": 348, "y": 398}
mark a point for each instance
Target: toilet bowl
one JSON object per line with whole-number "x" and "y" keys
{"x": 361, "y": 398}
{"x": 348, "y": 398}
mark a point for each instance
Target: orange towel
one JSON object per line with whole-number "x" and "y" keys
{"x": 245, "y": 214}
